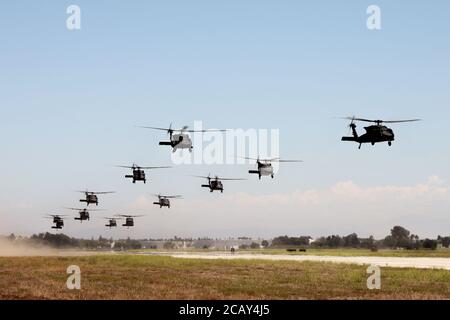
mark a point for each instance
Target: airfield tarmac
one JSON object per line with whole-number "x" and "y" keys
{"x": 395, "y": 262}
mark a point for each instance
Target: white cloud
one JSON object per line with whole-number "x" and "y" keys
{"x": 342, "y": 208}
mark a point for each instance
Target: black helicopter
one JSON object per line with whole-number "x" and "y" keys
{"x": 58, "y": 220}
{"x": 129, "y": 220}
{"x": 112, "y": 222}
{"x": 265, "y": 167}
{"x": 180, "y": 140}
{"x": 375, "y": 133}
{"x": 138, "y": 172}
{"x": 216, "y": 182}
{"x": 91, "y": 196}
{"x": 83, "y": 213}
{"x": 164, "y": 201}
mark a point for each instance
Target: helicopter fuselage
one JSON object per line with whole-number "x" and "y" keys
{"x": 264, "y": 169}
{"x": 374, "y": 134}
{"x": 59, "y": 223}
{"x": 163, "y": 202}
{"x": 214, "y": 184}
{"x": 84, "y": 215}
{"x": 178, "y": 141}
{"x": 112, "y": 223}
{"x": 138, "y": 175}
{"x": 129, "y": 222}
{"x": 90, "y": 199}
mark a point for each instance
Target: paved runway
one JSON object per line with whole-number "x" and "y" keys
{"x": 395, "y": 262}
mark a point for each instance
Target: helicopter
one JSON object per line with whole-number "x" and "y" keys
{"x": 129, "y": 220}
{"x": 112, "y": 222}
{"x": 265, "y": 167}
{"x": 180, "y": 140}
{"x": 216, "y": 182}
{"x": 84, "y": 213}
{"x": 374, "y": 133}
{"x": 164, "y": 201}
{"x": 58, "y": 220}
{"x": 91, "y": 197}
{"x": 138, "y": 172}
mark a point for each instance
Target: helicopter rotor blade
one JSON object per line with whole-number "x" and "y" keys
{"x": 95, "y": 192}
{"x": 101, "y": 192}
{"x": 249, "y": 158}
{"x": 128, "y": 216}
{"x": 353, "y": 119}
{"x": 204, "y": 177}
{"x": 206, "y": 130}
{"x": 282, "y": 160}
{"x": 155, "y": 128}
{"x": 83, "y": 209}
{"x": 402, "y": 121}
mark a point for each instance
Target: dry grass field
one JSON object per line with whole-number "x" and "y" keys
{"x": 158, "y": 277}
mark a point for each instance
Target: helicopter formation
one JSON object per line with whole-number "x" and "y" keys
{"x": 180, "y": 139}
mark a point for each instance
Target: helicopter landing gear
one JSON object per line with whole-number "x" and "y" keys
{"x": 134, "y": 181}
{"x": 259, "y": 177}
{"x": 373, "y": 143}
{"x": 360, "y": 146}
{"x": 145, "y": 181}
{"x": 389, "y": 143}
{"x": 271, "y": 176}
{"x": 221, "y": 190}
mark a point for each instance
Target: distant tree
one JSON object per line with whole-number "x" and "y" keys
{"x": 290, "y": 241}
{"x": 265, "y": 243}
{"x": 254, "y": 245}
{"x": 169, "y": 245}
{"x": 368, "y": 243}
{"x": 399, "y": 237}
{"x": 351, "y": 240}
{"x": 429, "y": 244}
{"x": 334, "y": 241}
{"x": 445, "y": 241}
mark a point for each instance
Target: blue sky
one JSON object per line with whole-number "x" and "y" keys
{"x": 70, "y": 99}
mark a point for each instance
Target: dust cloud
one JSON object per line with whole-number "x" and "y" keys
{"x": 14, "y": 249}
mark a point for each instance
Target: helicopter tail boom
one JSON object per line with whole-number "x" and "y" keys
{"x": 253, "y": 171}
{"x": 349, "y": 139}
